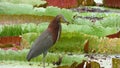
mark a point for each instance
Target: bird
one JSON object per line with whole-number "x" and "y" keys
{"x": 47, "y": 39}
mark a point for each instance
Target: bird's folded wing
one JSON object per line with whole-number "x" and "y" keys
{"x": 41, "y": 44}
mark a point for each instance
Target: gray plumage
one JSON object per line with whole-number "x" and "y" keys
{"x": 41, "y": 45}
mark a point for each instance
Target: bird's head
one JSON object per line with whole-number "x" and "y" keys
{"x": 61, "y": 18}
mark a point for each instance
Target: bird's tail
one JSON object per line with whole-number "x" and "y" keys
{"x": 28, "y": 57}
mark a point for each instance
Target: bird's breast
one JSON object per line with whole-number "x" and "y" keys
{"x": 55, "y": 32}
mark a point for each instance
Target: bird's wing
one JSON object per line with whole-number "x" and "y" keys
{"x": 41, "y": 44}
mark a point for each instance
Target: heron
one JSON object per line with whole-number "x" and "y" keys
{"x": 47, "y": 39}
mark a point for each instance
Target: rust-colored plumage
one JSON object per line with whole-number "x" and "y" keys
{"x": 55, "y": 28}
{"x": 47, "y": 39}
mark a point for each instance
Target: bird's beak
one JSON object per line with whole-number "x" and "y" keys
{"x": 64, "y": 20}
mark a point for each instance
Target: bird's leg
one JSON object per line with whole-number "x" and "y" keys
{"x": 44, "y": 56}
{"x": 43, "y": 62}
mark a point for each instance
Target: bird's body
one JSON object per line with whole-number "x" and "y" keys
{"x": 47, "y": 39}
{"x": 40, "y": 46}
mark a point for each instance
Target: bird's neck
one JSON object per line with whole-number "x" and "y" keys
{"x": 55, "y": 29}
